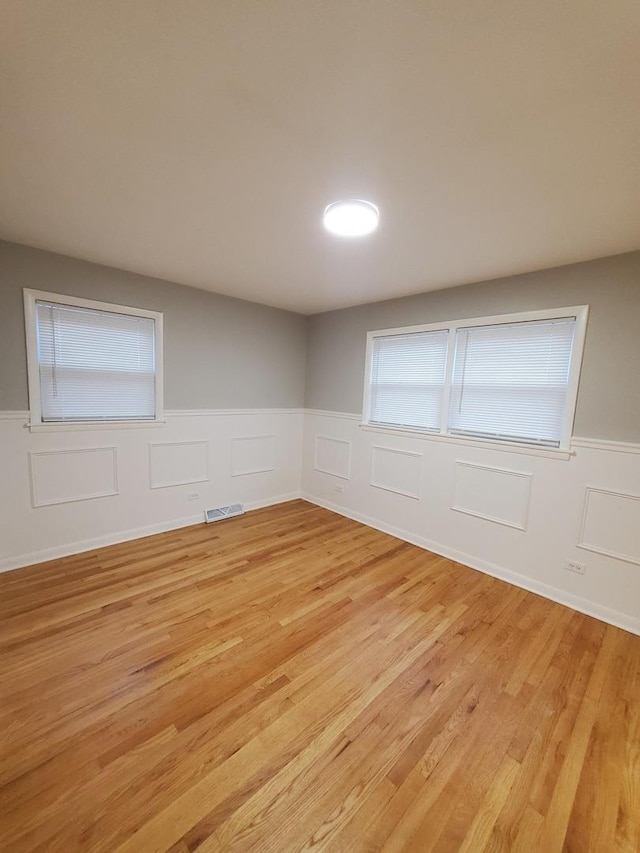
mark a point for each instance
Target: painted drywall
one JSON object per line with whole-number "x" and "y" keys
{"x": 609, "y": 395}
{"x": 219, "y": 352}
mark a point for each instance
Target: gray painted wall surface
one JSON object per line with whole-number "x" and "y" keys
{"x": 609, "y": 395}
{"x": 227, "y": 353}
{"x": 219, "y": 352}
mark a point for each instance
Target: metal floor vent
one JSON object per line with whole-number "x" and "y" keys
{"x": 221, "y": 512}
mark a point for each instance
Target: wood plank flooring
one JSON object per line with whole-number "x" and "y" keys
{"x": 292, "y": 680}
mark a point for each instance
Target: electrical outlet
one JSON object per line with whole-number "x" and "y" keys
{"x": 338, "y": 489}
{"x": 577, "y": 568}
{"x": 193, "y": 496}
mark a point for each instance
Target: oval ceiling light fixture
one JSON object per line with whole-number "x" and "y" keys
{"x": 352, "y": 217}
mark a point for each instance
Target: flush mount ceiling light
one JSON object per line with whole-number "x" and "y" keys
{"x": 352, "y": 217}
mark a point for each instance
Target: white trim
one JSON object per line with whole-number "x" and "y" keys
{"x": 23, "y": 414}
{"x": 561, "y": 596}
{"x": 495, "y": 519}
{"x": 445, "y": 401}
{"x": 36, "y": 502}
{"x": 70, "y": 550}
{"x": 575, "y": 368}
{"x": 413, "y": 495}
{"x": 33, "y": 372}
{"x": 577, "y": 442}
{"x": 211, "y": 413}
{"x": 589, "y": 490}
{"x": 605, "y": 444}
{"x": 368, "y": 370}
{"x": 89, "y": 426}
{"x": 71, "y": 426}
{"x": 252, "y": 470}
{"x": 509, "y": 447}
{"x": 324, "y": 413}
{"x": 579, "y": 312}
{"x": 316, "y": 467}
{"x": 492, "y": 320}
{"x": 167, "y": 485}
{"x": 92, "y": 304}
{"x": 14, "y": 416}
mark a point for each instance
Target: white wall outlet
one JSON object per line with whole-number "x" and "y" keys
{"x": 573, "y": 566}
{"x": 338, "y": 488}
{"x": 193, "y": 496}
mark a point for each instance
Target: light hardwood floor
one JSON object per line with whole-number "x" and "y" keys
{"x": 292, "y": 680}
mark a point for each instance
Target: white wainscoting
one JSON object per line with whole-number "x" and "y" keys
{"x": 560, "y": 524}
{"x": 177, "y": 463}
{"x": 611, "y": 524}
{"x": 65, "y": 476}
{"x": 333, "y": 456}
{"x": 492, "y": 494}
{"x": 537, "y": 502}
{"x": 165, "y": 477}
{"x": 396, "y": 470}
{"x": 252, "y": 454}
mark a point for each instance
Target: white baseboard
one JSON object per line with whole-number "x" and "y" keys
{"x": 69, "y": 549}
{"x": 277, "y": 499}
{"x": 582, "y": 605}
{"x": 575, "y": 602}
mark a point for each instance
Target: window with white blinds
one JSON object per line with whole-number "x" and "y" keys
{"x": 92, "y": 363}
{"x": 511, "y": 379}
{"x": 407, "y": 379}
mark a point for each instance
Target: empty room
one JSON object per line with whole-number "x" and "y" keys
{"x": 319, "y": 426}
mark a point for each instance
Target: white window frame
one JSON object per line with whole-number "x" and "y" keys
{"x": 580, "y": 312}
{"x": 33, "y": 368}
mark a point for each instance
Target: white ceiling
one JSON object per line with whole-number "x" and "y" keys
{"x": 199, "y": 141}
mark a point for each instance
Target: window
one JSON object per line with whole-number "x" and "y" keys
{"x": 407, "y": 379}
{"x": 511, "y": 379}
{"x": 92, "y": 362}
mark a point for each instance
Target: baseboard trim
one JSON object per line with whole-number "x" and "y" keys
{"x": 582, "y": 605}
{"x": 560, "y": 596}
{"x": 10, "y": 563}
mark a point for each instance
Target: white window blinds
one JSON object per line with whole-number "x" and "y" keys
{"x": 407, "y": 380}
{"x": 95, "y": 365}
{"x": 510, "y": 381}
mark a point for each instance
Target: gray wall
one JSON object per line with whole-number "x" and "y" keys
{"x": 609, "y": 396}
{"x": 226, "y": 353}
{"x": 219, "y": 352}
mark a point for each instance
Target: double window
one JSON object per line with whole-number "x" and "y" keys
{"x": 511, "y": 379}
{"x": 91, "y": 361}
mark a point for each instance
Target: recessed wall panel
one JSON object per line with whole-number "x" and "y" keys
{"x": 176, "y": 463}
{"x": 63, "y": 476}
{"x": 396, "y": 471}
{"x": 253, "y": 454}
{"x": 333, "y": 456}
{"x": 494, "y": 494}
{"x": 611, "y": 524}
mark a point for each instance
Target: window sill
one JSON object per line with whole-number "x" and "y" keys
{"x": 79, "y": 426}
{"x": 526, "y": 449}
